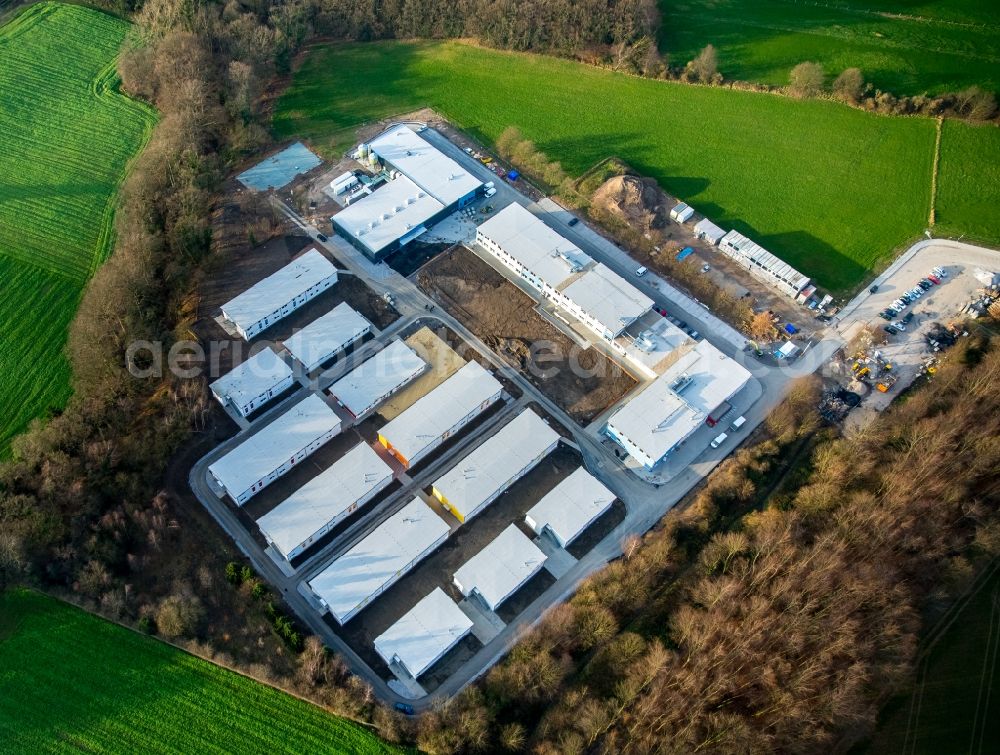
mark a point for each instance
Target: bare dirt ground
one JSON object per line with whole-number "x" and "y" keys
{"x": 582, "y": 381}
{"x": 444, "y": 362}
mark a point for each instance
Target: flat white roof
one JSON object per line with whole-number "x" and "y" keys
{"x": 326, "y": 334}
{"x": 438, "y": 411}
{"x": 677, "y": 402}
{"x": 251, "y": 378}
{"x": 493, "y": 463}
{"x": 501, "y": 567}
{"x": 709, "y": 229}
{"x": 350, "y": 580}
{"x": 431, "y": 170}
{"x": 392, "y": 211}
{"x": 274, "y": 444}
{"x": 425, "y": 633}
{"x": 279, "y": 288}
{"x": 653, "y": 344}
{"x": 571, "y": 506}
{"x": 393, "y": 367}
{"x": 325, "y": 497}
{"x": 537, "y": 247}
{"x": 763, "y": 258}
{"x": 608, "y": 298}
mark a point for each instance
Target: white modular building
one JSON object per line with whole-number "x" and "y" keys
{"x": 277, "y": 447}
{"x": 709, "y": 231}
{"x": 606, "y": 302}
{"x": 402, "y": 149}
{"x": 371, "y": 567}
{"x": 424, "y": 634}
{"x": 676, "y": 404}
{"x": 326, "y": 500}
{"x": 325, "y": 336}
{"x": 762, "y": 264}
{"x": 280, "y": 294}
{"x": 374, "y": 380}
{"x": 501, "y": 568}
{"x": 343, "y": 182}
{"x": 570, "y": 507}
{"x": 682, "y": 213}
{"x": 251, "y": 384}
{"x": 479, "y": 479}
{"x": 437, "y": 416}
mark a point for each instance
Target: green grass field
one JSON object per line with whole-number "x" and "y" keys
{"x": 66, "y": 137}
{"x": 830, "y": 189}
{"x": 902, "y": 46}
{"x": 70, "y": 681}
{"x": 968, "y": 199}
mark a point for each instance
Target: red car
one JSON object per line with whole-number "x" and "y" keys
{"x": 660, "y": 310}
{"x": 934, "y": 279}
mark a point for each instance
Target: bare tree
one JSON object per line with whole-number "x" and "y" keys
{"x": 806, "y": 79}
{"x": 849, "y": 85}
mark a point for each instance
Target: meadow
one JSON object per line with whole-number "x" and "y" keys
{"x": 66, "y": 138}
{"x": 832, "y": 190}
{"x": 968, "y": 201}
{"x": 902, "y": 46}
{"x": 70, "y": 681}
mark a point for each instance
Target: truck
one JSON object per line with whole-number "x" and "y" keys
{"x": 718, "y": 413}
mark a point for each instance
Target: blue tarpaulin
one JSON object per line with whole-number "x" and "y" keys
{"x": 512, "y": 175}
{"x": 791, "y": 329}
{"x": 685, "y": 253}
{"x": 279, "y": 170}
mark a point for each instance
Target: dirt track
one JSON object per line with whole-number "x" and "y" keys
{"x": 582, "y": 381}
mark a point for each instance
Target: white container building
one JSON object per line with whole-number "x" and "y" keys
{"x": 501, "y": 568}
{"x": 251, "y": 384}
{"x": 479, "y": 479}
{"x": 374, "y": 380}
{"x": 437, "y": 416}
{"x": 325, "y": 336}
{"x": 682, "y": 213}
{"x": 762, "y": 264}
{"x": 326, "y": 500}
{"x": 606, "y": 302}
{"x": 371, "y": 567}
{"x": 280, "y": 294}
{"x": 570, "y": 507}
{"x": 343, "y": 182}
{"x": 424, "y": 634}
{"x": 277, "y": 447}
{"x": 709, "y": 231}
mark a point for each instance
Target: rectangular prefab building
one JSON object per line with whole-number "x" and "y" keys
{"x": 371, "y": 567}
{"x": 501, "y": 568}
{"x": 682, "y": 213}
{"x": 570, "y": 507}
{"x": 253, "y": 383}
{"x": 434, "y": 418}
{"x": 277, "y": 447}
{"x": 706, "y": 229}
{"x": 479, "y": 479}
{"x": 280, "y": 294}
{"x": 762, "y": 264}
{"x": 321, "y": 339}
{"x": 375, "y": 379}
{"x": 319, "y": 505}
{"x": 424, "y": 634}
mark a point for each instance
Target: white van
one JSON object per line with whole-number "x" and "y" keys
{"x": 719, "y": 440}
{"x": 640, "y": 272}
{"x": 737, "y": 424}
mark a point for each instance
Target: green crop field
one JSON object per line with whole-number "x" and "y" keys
{"x": 70, "y": 681}
{"x": 830, "y": 189}
{"x": 902, "y": 46}
{"x": 968, "y": 200}
{"x": 66, "y": 137}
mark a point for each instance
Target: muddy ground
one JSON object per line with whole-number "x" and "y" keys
{"x": 582, "y": 381}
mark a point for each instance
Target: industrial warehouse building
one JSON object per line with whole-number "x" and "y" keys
{"x": 706, "y": 229}
{"x": 478, "y": 479}
{"x": 426, "y": 186}
{"x": 762, "y": 264}
{"x": 501, "y": 568}
{"x": 253, "y": 383}
{"x": 274, "y": 449}
{"x": 319, "y": 505}
{"x": 375, "y": 379}
{"x": 562, "y": 272}
{"x": 570, "y": 507}
{"x": 424, "y": 634}
{"x": 321, "y": 339}
{"x": 676, "y": 404}
{"x": 434, "y": 418}
{"x": 280, "y": 294}
{"x": 372, "y": 566}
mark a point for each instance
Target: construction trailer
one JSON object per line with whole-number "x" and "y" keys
{"x": 424, "y": 634}
{"x": 709, "y": 231}
{"x": 437, "y": 416}
{"x": 280, "y": 294}
{"x": 566, "y": 511}
{"x": 762, "y": 264}
{"x": 371, "y": 567}
{"x": 274, "y": 449}
{"x": 321, "y": 504}
{"x": 343, "y": 182}
{"x": 500, "y": 569}
{"x": 251, "y": 384}
{"x": 682, "y": 212}
{"x": 323, "y": 338}
{"x": 479, "y": 479}
{"x": 376, "y": 379}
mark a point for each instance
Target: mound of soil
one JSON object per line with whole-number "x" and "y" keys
{"x": 637, "y": 201}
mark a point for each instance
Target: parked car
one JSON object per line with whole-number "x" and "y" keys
{"x": 925, "y": 284}
{"x": 873, "y": 290}
{"x": 681, "y": 324}
{"x": 405, "y": 708}
{"x": 886, "y": 315}
{"x": 674, "y": 321}
{"x": 934, "y": 279}
{"x": 706, "y": 268}
{"x": 890, "y": 330}
{"x": 738, "y": 423}
{"x": 939, "y": 272}
{"x": 660, "y": 310}
{"x": 573, "y": 221}
{"x": 909, "y": 316}
{"x": 719, "y": 440}
{"x": 899, "y": 326}
{"x": 694, "y": 334}
{"x": 641, "y": 271}
{"x": 321, "y": 237}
